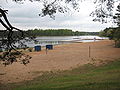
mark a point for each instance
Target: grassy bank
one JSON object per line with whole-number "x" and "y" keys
{"x": 87, "y": 77}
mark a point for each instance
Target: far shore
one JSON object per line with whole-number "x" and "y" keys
{"x": 62, "y": 57}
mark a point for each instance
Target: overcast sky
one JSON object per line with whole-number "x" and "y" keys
{"x": 26, "y": 16}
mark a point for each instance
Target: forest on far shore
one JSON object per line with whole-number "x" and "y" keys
{"x": 50, "y": 32}
{"x": 58, "y": 32}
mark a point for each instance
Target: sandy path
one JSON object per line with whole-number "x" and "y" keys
{"x": 61, "y": 58}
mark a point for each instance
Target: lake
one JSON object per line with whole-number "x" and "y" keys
{"x": 56, "y": 40}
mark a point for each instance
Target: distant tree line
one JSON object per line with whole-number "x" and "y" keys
{"x": 58, "y": 32}
{"x": 48, "y": 32}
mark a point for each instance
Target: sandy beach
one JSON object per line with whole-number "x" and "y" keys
{"x": 62, "y": 57}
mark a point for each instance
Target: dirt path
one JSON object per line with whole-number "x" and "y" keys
{"x": 61, "y": 58}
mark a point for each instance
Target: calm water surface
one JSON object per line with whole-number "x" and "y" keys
{"x": 55, "y": 40}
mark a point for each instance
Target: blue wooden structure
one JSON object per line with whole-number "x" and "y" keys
{"x": 49, "y": 47}
{"x": 37, "y": 48}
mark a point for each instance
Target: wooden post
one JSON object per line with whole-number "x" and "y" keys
{"x": 46, "y": 50}
{"x": 89, "y": 51}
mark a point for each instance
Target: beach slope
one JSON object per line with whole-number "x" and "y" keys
{"x": 62, "y": 57}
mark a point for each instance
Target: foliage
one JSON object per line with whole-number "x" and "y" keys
{"x": 113, "y": 34}
{"x": 108, "y": 32}
{"x": 116, "y": 17}
{"x": 103, "y": 9}
{"x": 8, "y": 39}
{"x": 117, "y": 37}
{"x": 10, "y": 57}
{"x": 58, "y": 32}
{"x": 51, "y": 7}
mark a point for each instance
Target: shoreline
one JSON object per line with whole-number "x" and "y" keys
{"x": 62, "y": 57}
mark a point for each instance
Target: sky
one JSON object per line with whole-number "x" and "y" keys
{"x": 26, "y": 16}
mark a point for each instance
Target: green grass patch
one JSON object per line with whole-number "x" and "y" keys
{"x": 87, "y": 77}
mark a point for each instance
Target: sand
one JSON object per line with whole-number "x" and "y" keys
{"x": 62, "y": 57}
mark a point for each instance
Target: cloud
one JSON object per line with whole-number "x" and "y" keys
{"x": 25, "y": 16}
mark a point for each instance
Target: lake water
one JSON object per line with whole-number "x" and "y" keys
{"x": 56, "y": 40}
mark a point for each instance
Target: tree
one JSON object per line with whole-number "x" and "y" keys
{"x": 108, "y": 32}
{"x": 7, "y": 41}
{"x": 104, "y": 10}
{"x": 51, "y": 7}
{"x": 112, "y": 34}
{"x": 117, "y": 37}
{"x": 116, "y": 17}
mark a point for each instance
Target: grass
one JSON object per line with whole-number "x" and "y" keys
{"x": 87, "y": 77}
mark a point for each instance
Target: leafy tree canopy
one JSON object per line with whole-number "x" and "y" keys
{"x": 104, "y": 8}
